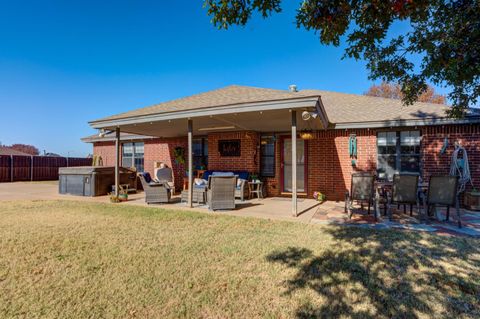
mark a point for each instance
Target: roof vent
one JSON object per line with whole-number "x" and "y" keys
{"x": 292, "y": 88}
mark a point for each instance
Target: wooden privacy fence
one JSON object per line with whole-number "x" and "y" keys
{"x": 36, "y": 168}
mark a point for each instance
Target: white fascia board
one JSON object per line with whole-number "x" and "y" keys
{"x": 399, "y": 123}
{"x": 218, "y": 110}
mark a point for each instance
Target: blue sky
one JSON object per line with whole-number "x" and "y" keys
{"x": 63, "y": 63}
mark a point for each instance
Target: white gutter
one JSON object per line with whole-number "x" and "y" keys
{"x": 216, "y": 110}
{"x": 411, "y": 122}
{"x": 112, "y": 138}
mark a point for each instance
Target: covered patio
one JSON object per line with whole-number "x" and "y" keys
{"x": 229, "y": 110}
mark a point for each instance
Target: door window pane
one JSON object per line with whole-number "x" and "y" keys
{"x": 287, "y": 165}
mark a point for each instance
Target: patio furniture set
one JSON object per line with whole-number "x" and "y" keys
{"x": 405, "y": 189}
{"x": 215, "y": 188}
{"x": 220, "y": 189}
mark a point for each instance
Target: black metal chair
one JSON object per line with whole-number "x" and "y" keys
{"x": 361, "y": 190}
{"x": 442, "y": 191}
{"x": 404, "y": 192}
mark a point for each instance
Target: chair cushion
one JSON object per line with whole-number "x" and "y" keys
{"x": 199, "y": 182}
{"x": 147, "y": 177}
{"x": 206, "y": 174}
{"x": 165, "y": 174}
{"x": 153, "y": 183}
{"x": 223, "y": 174}
{"x": 239, "y": 182}
{"x": 241, "y": 174}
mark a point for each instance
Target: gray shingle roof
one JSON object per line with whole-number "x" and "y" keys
{"x": 353, "y": 108}
{"x": 230, "y": 95}
{"x": 339, "y": 107}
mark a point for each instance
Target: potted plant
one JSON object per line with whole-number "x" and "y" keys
{"x": 254, "y": 178}
{"x": 319, "y": 196}
{"x": 113, "y": 198}
{"x": 472, "y": 199}
{"x": 122, "y": 194}
{"x": 179, "y": 155}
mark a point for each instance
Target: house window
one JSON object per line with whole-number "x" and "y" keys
{"x": 200, "y": 153}
{"x": 398, "y": 152}
{"x": 267, "y": 156}
{"x": 132, "y": 155}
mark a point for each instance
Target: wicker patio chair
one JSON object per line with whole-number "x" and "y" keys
{"x": 240, "y": 188}
{"x": 361, "y": 190}
{"x": 165, "y": 175}
{"x": 154, "y": 192}
{"x": 442, "y": 191}
{"x": 404, "y": 192}
{"x": 221, "y": 192}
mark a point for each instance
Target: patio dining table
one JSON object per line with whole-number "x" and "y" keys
{"x": 382, "y": 189}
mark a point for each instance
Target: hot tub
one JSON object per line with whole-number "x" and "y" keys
{"x": 92, "y": 180}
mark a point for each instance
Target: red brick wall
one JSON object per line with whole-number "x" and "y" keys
{"x": 432, "y": 141}
{"x": 162, "y": 150}
{"x": 107, "y": 151}
{"x": 328, "y": 163}
{"x": 249, "y": 159}
{"x": 329, "y": 166}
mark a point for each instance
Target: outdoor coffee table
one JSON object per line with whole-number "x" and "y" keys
{"x": 199, "y": 195}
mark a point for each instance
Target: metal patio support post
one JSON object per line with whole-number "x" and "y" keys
{"x": 294, "y": 163}
{"x": 190, "y": 164}
{"x": 117, "y": 161}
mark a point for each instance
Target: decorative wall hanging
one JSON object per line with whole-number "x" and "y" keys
{"x": 229, "y": 147}
{"x": 445, "y": 146}
{"x": 352, "y": 148}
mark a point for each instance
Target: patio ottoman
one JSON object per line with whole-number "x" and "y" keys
{"x": 199, "y": 195}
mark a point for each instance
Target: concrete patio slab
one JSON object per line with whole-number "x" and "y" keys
{"x": 275, "y": 208}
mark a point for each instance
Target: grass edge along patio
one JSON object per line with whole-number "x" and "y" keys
{"x": 390, "y": 138}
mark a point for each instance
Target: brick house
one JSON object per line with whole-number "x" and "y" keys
{"x": 389, "y": 137}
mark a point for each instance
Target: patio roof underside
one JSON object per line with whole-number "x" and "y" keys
{"x": 259, "y": 120}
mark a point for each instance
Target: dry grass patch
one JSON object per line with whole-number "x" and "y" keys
{"x": 75, "y": 259}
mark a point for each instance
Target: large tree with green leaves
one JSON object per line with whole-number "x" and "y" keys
{"x": 442, "y": 45}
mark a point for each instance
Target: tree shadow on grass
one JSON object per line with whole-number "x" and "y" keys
{"x": 386, "y": 274}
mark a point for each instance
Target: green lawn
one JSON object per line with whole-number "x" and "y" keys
{"x": 63, "y": 259}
